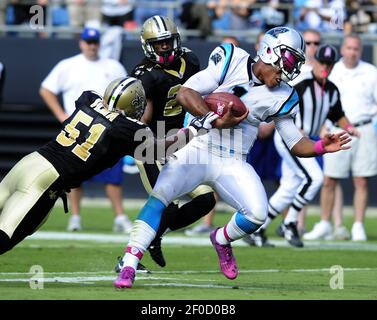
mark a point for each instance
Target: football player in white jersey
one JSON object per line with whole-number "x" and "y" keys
{"x": 218, "y": 158}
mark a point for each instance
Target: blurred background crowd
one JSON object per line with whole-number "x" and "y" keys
{"x": 204, "y": 17}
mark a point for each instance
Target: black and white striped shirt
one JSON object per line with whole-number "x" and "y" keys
{"x": 317, "y": 103}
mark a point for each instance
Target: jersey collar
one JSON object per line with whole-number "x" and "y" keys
{"x": 179, "y": 74}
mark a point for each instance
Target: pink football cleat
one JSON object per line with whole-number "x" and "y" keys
{"x": 227, "y": 261}
{"x": 125, "y": 278}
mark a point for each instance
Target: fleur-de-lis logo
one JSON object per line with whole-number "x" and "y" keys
{"x": 137, "y": 101}
{"x": 52, "y": 195}
{"x": 138, "y": 104}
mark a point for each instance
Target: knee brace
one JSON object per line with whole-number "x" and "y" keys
{"x": 5, "y": 243}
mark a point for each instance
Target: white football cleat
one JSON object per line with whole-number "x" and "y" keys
{"x": 74, "y": 223}
{"x": 321, "y": 231}
{"x": 341, "y": 233}
{"x": 122, "y": 224}
{"x": 358, "y": 232}
{"x": 199, "y": 229}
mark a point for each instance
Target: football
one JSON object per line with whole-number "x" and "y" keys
{"x": 218, "y": 103}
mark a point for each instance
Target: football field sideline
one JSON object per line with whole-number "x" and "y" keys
{"x": 220, "y": 206}
{"x": 173, "y": 240}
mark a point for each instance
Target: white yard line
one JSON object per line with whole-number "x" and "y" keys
{"x": 173, "y": 281}
{"x": 101, "y": 274}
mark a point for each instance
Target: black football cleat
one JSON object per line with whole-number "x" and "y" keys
{"x": 292, "y": 236}
{"x": 280, "y": 230}
{"x": 258, "y": 239}
{"x": 156, "y": 252}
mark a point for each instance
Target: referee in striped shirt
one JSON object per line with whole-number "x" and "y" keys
{"x": 303, "y": 177}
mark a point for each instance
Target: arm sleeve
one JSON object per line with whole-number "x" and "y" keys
{"x": 148, "y": 82}
{"x": 288, "y": 130}
{"x": 209, "y": 79}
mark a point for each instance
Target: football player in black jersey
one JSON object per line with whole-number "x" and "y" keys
{"x": 99, "y": 133}
{"x": 166, "y": 66}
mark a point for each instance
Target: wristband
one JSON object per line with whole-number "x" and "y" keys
{"x": 348, "y": 127}
{"x": 318, "y": 147}
{"x": 192, "y": 129}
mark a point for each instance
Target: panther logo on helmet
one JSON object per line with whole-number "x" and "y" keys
{"x": 283, "y": 48}
{"x": 126, "y": 95}
{"x": 276, "y": 31}
{"x": 158, "y": 28}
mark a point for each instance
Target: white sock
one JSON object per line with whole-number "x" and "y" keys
{"x": 292, "y": 215}
{"x": 266, "y": 223}
{"x": 141, "y": 236}
{"x": 229, "y": 232}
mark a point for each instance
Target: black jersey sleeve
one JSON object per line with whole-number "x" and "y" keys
{"x": 87, "y": 98}
{"x": 147, "y": 79}
{"x": 131, "y": 132}
{"x": 192, "y": 58}
{"x": 336, "y": 110}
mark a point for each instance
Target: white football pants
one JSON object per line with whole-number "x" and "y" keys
{"x": 300, "y": 181}
{"x": 232, "y": 178}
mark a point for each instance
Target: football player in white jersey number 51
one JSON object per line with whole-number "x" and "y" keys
{"x": 218, "y": 158}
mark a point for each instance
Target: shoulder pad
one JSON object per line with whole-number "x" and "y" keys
{"x": 139, "y": 70}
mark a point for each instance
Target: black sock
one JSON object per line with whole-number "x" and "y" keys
{"x": 170, "y": 211}
{"x": 191, "y": 211}
{"x": 5, "y": 242}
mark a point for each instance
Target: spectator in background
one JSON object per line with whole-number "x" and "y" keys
{"x": 3, "y": 12}
{"x": 314, "y": 14}
{"x": 358, "y": 19}
{"x": 357, "y": 83}
{"x": 86, "y": 71}
{"x": 82, "y": 12}
{"x": 312, "y": 40}
{"x": 20, "y": 11}
{"x": 118, "y": 13}
{"x": 142, "y": 13}
{"x": 240, "y": 11}
{"x": 202, "y": 15}
{"x": 273, "y": 16}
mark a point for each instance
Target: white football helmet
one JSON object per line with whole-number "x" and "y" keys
{"x": 159, "y": 28}
{"x": 284, "y": 48}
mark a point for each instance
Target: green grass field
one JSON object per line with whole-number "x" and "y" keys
{"x": 82, "y": 268}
